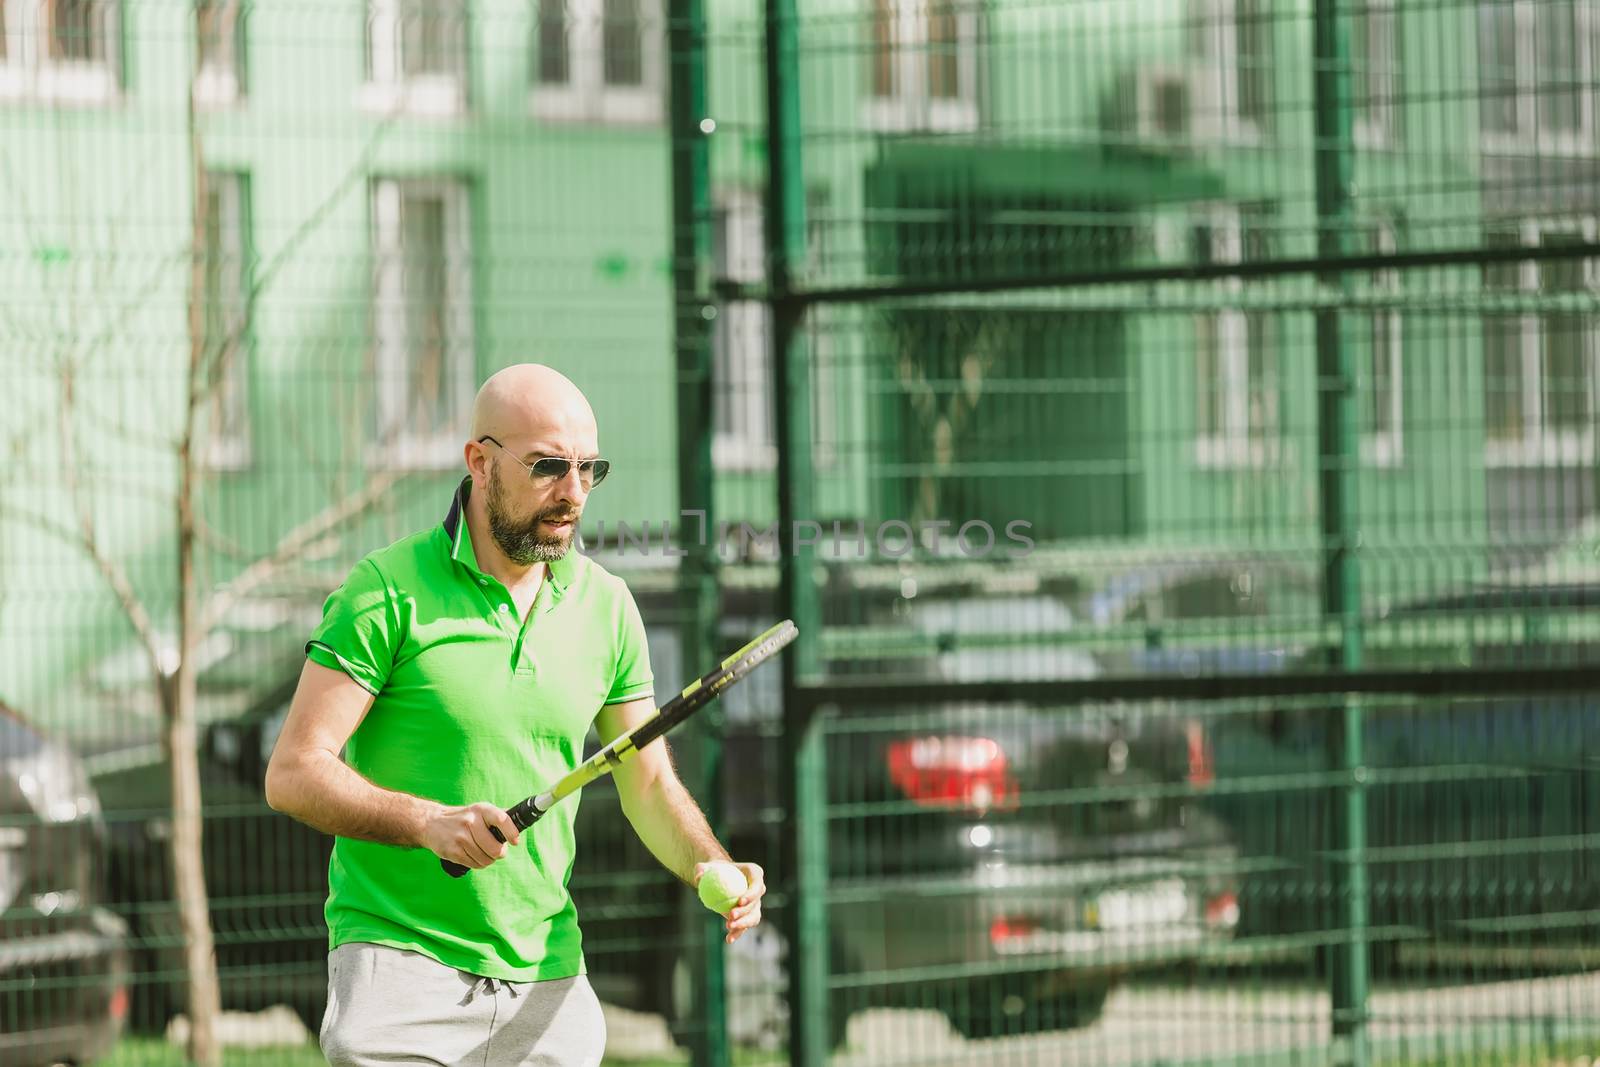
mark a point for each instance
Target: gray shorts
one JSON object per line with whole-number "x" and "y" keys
{"x": 392, "y": 1006}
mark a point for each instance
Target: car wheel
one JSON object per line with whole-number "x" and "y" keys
{"x": 758, "y": 1014}
{"x": 1013, "y": 1004}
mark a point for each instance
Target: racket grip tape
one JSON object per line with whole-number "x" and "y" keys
{"x": 523, "y": 815}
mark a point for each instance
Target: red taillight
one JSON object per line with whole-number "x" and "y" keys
{"x": 953, "y": 772}
{"x": 1222, "y": 910}
{"x": 1201, "y": 772}
{"x": 1011, "y": 927}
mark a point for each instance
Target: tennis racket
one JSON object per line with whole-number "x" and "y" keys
{"x": 698, "y": 694}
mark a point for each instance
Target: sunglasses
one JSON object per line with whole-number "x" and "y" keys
{"x": 547, "y": 469}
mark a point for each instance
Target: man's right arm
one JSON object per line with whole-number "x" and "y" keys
{"x": 307, "y": 779}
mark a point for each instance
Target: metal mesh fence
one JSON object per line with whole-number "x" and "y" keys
{"x": 1207, "y": 933}
{"x": 1191, "y": 498}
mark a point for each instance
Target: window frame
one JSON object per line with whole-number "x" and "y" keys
{"x": 21, "y": 43}
{"x": 396, "y": 443}
{"x": 1377, "y": 126}
{"x": 388, "y": 89}
{"x": 585, "y": 97}
{"x": 1215, "y": 44}
{"x": 228, "y": 442}
{"x": 751, "y": 444}
{"x": 1231, "y": 447}
{"x": 1540, "y": 446}
{"x": 911, "y": 106}
{"x": 1530, "y": 134}
{"x": 218, "y": 85}
{"x": 1386, "y": 449}
{"x": 30, "y": 73}
{"x": 745, "y": 439}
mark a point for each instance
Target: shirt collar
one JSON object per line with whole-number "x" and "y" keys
{"x": 460, "y": 539}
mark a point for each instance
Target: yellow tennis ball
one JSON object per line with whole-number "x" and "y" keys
{"x": 721, "y": 886}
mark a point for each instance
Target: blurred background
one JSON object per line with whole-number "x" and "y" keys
{"x": 1172, "y": 424}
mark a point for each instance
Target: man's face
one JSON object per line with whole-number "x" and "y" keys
{"x": 532, "y": 524}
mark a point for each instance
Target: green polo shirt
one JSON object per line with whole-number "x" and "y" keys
{"x": 472, "y": 703}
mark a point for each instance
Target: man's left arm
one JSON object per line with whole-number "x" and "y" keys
{"x": 666, "y": 817}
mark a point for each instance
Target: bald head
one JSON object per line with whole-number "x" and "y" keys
{"x": 521, "y": 519}
{"x": 538, "y": 407}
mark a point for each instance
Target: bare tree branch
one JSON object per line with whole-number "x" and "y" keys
{"x": 296, "y": 545}
{"x": 110, "y": 570}
{"x": 209, "y": 536}
{"x": 45, "y": 524}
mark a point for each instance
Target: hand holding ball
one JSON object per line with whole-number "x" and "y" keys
{"x": 721, "y": 885}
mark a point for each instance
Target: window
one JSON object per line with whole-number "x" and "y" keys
{"x": 1539, "y": 367}
{"x": 744, "y": 420}
{"x": 622, "y": 44}
{"x": 224, "y": 318}
{"x": 422, "y": 321}
{"x": 1233, "y": 38}
{"x": 417, "y": 55}
{"x": 75, "y": 34}
{"x": 1500, "y": 65}
{"x": 598, "y": 60}
{"x": 1237, "y": 385}
{"x": 11, "y": 80}
{"x": 923, "y": 64}
{"x": 1384, "y": 391}
{"x": 1375, "y": 77}
{"x": 553, "y": 62}
{"x": 1558, "y": 47}
{"x": 63, "y": 51}
{"x": 1537, "y": 68}
{"x": 219, "y": 51}
{"x": 744, "y": 434}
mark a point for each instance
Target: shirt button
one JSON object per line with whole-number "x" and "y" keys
{"x": 483, "y": 581}
{"x": 505, "y": 609}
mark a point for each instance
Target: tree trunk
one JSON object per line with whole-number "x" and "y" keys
{"x": 183, "y": 760}
{"x": 188, "y": 873}
{"x": 183, "y": 749}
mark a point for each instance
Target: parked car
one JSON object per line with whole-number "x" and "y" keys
{"x": 266, "y": 876}
{"x": 63, "y": 955}
{"x": 1479, "y": 806}
{"x": 1005, "y": 864}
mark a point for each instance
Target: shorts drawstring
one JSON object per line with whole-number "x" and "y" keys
{"x": 479, "y": 983}
{"x": 482, "y": 984}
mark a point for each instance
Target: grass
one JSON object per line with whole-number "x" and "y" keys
{"x": 1573, "y": 1052}
{"x": 156, "y": 1052}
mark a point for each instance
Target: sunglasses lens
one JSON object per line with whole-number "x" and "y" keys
{"x": 590, "y": 472}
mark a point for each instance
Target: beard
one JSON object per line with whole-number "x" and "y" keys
{"x": 521, "y": 539}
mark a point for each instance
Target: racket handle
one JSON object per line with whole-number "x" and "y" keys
{"x": 524, "y": 815}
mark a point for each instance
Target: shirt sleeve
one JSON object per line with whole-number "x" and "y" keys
{"x": 360, "y": 629}
{"x": 632, "y": 678}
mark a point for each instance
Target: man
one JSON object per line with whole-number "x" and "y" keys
{"x": 458, "y": 669}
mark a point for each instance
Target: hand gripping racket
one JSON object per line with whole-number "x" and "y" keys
{"x": 699, "y": 693}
